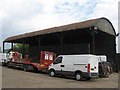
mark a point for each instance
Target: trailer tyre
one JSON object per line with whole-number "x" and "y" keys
{"x": 78, "y": 76}
{"x": 25, "y": 68}
{"x": 8, "y": 64}
{"x": 52, "y": 73}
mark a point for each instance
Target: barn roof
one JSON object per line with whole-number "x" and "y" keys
{"x": 102, "y": 24}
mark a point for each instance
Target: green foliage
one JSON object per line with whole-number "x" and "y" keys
{"x": 21, "y": 48}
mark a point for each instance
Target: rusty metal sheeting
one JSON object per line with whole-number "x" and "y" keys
{"x": 73, "y": 26}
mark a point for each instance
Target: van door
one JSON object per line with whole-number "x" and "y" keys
{"x": 57, "y": 65}
{"x": 94, "y": 64}
{"x": 67, "y": 66}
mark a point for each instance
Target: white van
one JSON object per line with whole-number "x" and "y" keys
{"x": 79, "y": 66}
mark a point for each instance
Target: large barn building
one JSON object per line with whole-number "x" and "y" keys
{"x": 96, "y": 36}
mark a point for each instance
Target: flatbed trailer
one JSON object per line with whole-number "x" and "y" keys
{"x": 46, "y": 58}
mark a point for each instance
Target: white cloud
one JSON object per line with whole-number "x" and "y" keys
{"x": 47, "y": 21}
{"x": 2, "y": 15}
{"x": 108, "y": 9}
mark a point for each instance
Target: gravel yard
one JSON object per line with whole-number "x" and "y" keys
{"x": 14, "y": 78}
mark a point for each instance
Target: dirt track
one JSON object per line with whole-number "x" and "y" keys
{"x": 13, "y": 78}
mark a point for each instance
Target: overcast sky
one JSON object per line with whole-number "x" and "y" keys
{"x": 22, "y": 16}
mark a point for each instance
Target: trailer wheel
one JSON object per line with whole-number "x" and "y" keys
{"x": 52, "y": 73}
{"x": 8, "y": 64}
{"x": 78, "y": 76}
{"x": 25, "y": 68}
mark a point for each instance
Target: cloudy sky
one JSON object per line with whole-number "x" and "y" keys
{"x": 21, "y": 16}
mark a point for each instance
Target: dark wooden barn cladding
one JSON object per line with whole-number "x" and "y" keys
{"x": 96, "y": 36}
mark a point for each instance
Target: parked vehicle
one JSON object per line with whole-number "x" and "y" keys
{"x": 79, "y": 66}
{"x": 102, "y": 58}
{"x": 3, "y": 58}
{"x": 16, "y": 61}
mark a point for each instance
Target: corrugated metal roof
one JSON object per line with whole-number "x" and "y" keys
{"x": 79, "y": 25}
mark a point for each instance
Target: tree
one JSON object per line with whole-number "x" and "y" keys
{"x": 21, "y": 48}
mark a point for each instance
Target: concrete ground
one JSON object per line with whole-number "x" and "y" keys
{"x": 14, "y": 78}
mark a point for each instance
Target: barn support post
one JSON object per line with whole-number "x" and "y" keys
{"x": 61, "y": 37}
{"x": 3, "y": 47}
{"x": 28, "y": 52}
{"x": 23, "y": 49}
{"x": 93, "y": 31}
{"x": 38, "y": 38}
{"x": 61, "y": 42}
{"x": 39, "y": 41}
{"x": 12, "y": 46}
{"x": 89, "y": 48}
{"x": 93, "y": 43}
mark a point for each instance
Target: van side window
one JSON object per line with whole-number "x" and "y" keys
{"x": 58, "y": 60}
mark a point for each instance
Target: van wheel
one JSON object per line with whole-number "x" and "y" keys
{"x": 78, "y": 76}
{"x": 52, "y": 73}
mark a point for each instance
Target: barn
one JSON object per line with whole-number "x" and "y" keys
{"x": 96, "y": 36}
